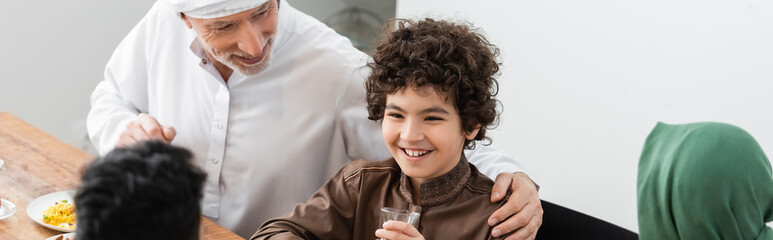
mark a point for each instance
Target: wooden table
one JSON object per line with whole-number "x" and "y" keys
{"x": 37, "y": 164}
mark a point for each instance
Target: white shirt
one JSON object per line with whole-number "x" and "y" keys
{"x": 266, "y": 141}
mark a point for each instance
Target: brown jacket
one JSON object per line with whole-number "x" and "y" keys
{"x": 455, "y": 205}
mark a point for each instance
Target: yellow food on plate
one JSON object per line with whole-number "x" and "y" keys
{"x": 61, "y": 214}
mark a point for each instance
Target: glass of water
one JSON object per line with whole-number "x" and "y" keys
{"x": 395, "y": 214}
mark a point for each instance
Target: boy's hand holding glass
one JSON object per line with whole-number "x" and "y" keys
{"x": 398, "y": 230}
{"x": 400, "y": 217}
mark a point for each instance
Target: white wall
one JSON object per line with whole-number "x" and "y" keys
{"x": 54, "y": 53}
{"x": 584, "y": 82}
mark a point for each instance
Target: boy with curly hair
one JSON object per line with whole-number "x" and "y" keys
{"x": 432, "y": 87}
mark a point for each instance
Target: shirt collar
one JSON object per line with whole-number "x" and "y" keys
{"x": 197, "y": 49}
{"x": 440, "y": 189}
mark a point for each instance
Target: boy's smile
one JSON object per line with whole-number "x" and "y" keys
{"x": 423, "y": 132}
{"x": 415, "y": 153}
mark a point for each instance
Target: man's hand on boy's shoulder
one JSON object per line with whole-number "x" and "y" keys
{"x": 397, "y": 230}
{"x": 523, "y": 208}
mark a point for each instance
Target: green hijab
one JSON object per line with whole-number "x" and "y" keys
{"x": 704, "y": 181}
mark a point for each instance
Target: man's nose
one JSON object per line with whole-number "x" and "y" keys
{"x": 251, "y": 40}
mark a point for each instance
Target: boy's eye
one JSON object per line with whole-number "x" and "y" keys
{"x": 395, "y": 115}
{"x": 433, "y": 119}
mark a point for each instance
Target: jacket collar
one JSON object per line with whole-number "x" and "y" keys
{"x": 440, "y": 189}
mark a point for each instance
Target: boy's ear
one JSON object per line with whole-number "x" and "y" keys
{"x": 471, "y": 135}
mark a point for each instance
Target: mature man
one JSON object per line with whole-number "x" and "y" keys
{"x": 270, "y": 101}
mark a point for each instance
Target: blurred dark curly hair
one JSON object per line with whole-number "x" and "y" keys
{"x": 454, "y": 59}
{"x": 148, "y": 191}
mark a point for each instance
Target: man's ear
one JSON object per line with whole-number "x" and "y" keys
{"x": 186, "y": 20}
{"x": 471, "y": 135}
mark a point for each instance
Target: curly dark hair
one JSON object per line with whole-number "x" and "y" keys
{"x": 148, "y": 191}
{"x": 454, "y": 59}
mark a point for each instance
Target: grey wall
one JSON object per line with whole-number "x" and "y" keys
{"x": 360, "y": 27}
{"x": 323, "y": 9}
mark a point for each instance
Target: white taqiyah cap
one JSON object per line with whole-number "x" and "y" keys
{"x": 211, "y": 8}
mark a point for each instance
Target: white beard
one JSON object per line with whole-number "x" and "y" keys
{"x": 226, "y": 58}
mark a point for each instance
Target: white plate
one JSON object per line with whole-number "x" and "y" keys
{"x": 65, "y": 236}
{"x": 36, "y": 208}
{"x": 6, "y": 209}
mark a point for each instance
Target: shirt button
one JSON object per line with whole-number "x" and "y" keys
{"x": 203, "y": 61}
{"x": 215, "y": 161}
{"x": 219, "y": 126}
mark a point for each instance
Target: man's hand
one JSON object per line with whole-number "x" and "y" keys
{"x": 397, "y": 230}
{"x": 523, "y": 208}
{"x": 145, "y": 128}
